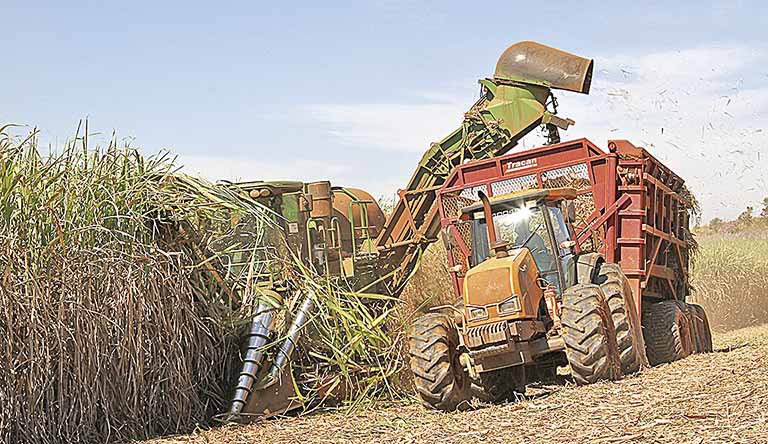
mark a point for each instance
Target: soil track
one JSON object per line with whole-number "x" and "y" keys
{"x": 720, "y": 397}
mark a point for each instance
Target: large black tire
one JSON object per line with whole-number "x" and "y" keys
{"x": 438, "y": 376}
{"x": 667, "y": 331}
{"x": 703, "y": 328}
{"x": 500, "y": 385}
{"x": 589, "y": 334}
{"x": 629, "y": 332}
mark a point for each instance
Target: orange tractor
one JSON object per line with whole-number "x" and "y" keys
{"x": 562, "y": 256}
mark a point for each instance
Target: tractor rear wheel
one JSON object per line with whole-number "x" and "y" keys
{"x": 629, "y": 332}
{"x": 589, "y": 334}
{"x": 667, "y": 330}
{"x": 439, "y": 377}
{"x": 499, "y": 385}
{"x": 703, "y": 328}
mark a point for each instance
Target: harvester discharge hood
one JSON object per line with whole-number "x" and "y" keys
{"x": 531, "y": 62}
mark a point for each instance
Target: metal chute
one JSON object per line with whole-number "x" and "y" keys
{"x": 258, "y": 338}
{"x": 533, "y": 62}
{"x": 514, "y": 102}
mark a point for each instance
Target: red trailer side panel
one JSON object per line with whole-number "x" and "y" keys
{"x": 629, "y": 207}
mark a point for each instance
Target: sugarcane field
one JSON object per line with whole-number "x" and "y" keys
{"x": 395, "y": 222}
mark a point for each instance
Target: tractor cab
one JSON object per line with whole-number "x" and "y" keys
{"x": 527, "y": 249}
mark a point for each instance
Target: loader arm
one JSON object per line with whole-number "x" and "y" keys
{"x": 513, "y": 103}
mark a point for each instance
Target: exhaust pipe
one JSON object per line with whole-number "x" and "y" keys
{"x": 500, "y": 247}
{"x": 258, "y": 337}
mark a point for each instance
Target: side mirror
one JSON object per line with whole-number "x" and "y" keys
{"x": 447, "y": 238}
{"x": 570, "y": 212}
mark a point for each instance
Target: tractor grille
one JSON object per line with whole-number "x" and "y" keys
{"x": 487, "y": 334}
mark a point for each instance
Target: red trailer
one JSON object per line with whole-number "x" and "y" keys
{"x": 630, "y": 207}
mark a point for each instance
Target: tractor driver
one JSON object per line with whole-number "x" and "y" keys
{"x": 536, "y": 244}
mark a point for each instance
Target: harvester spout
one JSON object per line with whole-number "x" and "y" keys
{"x": 515, "y": 101}
{"x": 532, "y": 62}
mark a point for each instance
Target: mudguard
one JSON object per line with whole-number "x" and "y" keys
{"x": 587, "y": 267}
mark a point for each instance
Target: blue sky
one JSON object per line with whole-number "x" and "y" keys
{"x": 355, "y": 91}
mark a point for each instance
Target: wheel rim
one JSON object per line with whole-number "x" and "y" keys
{"x": 686, "y": 334}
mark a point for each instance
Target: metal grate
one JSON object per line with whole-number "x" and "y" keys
{"x": 452, "y": 204}
{"x": 471, "y": 193}
{"x": 465, "y": 230}
{"x": 585, "y": 205}
{"x": 514, "y": 184}
{"x": 573, "y": 176}
{"x": 458, "y": 256}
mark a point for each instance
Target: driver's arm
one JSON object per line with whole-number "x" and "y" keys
{"x": 540, "y": 253}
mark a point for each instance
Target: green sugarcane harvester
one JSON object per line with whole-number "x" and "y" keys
{"x": 342, "y": 232}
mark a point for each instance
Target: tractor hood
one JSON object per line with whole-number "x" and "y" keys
{"x": 505, "y": 288}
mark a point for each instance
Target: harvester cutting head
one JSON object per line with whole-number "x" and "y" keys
{"x": 531, "y": 62}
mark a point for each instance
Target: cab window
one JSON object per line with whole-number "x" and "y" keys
{"x": 520, "y": 227}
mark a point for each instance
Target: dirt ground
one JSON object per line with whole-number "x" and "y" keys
{"x": 720, "y": 397}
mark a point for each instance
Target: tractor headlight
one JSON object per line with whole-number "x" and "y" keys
{"x": 511, "y": 305}
{"x": 476, "y": 313}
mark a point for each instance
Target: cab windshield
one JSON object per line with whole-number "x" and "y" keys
{"x": 524, "y": 227}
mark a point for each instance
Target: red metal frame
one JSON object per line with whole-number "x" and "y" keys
{"x": 636, "y": 219}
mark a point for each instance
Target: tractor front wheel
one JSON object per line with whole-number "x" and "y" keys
{"x": 439, "y": 377}
{"x": 589, "y": 334}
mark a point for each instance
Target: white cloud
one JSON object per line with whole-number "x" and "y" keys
{"x": 391, "y": 127}
{"x": 247, "y": 169}
{"x": 702, "y": 111}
